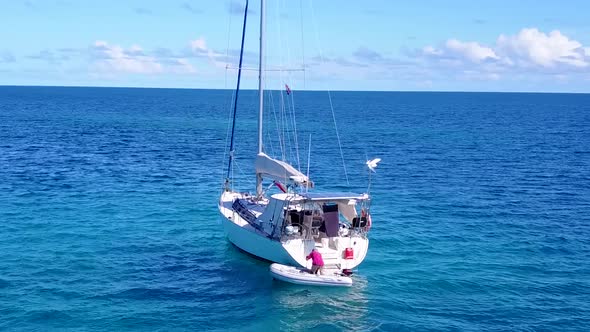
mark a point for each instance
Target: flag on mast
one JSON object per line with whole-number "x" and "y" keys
{"x": 288, "y": 89}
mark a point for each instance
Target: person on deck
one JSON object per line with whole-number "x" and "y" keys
{"x": 317, "y": 262}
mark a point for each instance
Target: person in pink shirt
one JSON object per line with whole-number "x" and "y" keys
{"x": 317, "y": 262}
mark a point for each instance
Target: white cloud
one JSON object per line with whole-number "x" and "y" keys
{"x": 528, "y": 52}
{"x": 561, "y": 77}
{"x": 199, "y": 45}
{"x": 470, "y": 50}
{"x": 367, "y": 54}
{"x": 478, "y": 75}
{"x": 454, "y": 50}
{"x": 6, "y": 56}
{"x": 199, "y": 48}
{"x": 494, "y": 76}
{"x": 526, "y": 56}
{"x": 531, "y": 46}
{"x": 182, "y": 66}
{"x": 136, "y": 50}
{"x": 429, "y": 50}
{"x": 115, "y": 58}
{"x": 109, "y": 58}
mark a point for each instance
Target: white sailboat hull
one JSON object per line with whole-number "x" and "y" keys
{"x": 248, "y": 240}
{"x": 291, "y": 251}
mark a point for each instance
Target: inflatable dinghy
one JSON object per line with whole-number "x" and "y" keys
{"x": 302, "y": 276}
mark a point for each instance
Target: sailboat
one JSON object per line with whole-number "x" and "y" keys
{"x": 284, "y": 227}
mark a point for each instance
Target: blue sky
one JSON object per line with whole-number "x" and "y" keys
{"x": 452, "y": 45}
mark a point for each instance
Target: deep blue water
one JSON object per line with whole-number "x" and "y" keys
{"x": 108, "y": 216}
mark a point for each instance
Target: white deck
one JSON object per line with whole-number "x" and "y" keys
{"x": 290, "y": 250}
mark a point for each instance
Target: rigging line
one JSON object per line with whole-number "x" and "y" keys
{"x": 247, "y": 178}
{"x": 294, "y": 128}
{"x": 268, "y": 121}
{"x": 282, "y": 131}
{"x": 233, "y": 128}
{"x": 281, "y": 143}
{"x": 291, "y": 128}
{"x": 308, "y": 162}
{"x": 280, "y": 57}
{"x": 302, "y": 39}
{"x": 291, "y": 105}
{"x": 288, "y": 146}
{"x": 286, "y": 126}
{"x": 286, "y": 69}
{"x": 329, "y": 93}
{"x": 227, "y": 135}
{"x": 338, "y": 137}
{"x": 272, "y": 149}
{"x": 284, "y": 8}
{"x": 227, "y": 48}
{"x": 267, "y": 142}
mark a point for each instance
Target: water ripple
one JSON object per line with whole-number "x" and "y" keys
{"x": 109, "y": 220}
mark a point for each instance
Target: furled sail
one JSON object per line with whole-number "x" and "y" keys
{"x": 280, "y": 170}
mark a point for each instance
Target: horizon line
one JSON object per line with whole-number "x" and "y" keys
{"x": 303, "y": 90}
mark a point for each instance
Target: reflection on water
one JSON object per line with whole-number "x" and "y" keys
{"x": 277, "y": 305}
{"x": 109, "y": 217}
{"x": 307, "y": 307}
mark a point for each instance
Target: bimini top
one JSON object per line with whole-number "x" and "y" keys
{"x": 328, "y": 196}
{"x": 333, "y": 196}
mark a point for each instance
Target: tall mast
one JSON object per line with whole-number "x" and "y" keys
{"x": 233, "y": 124}
{"x": 261, "y": 89}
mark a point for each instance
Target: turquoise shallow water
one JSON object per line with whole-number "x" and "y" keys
{"x": 108, "y": 215}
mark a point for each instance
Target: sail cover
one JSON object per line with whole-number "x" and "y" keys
{"x": 280, "y": 170}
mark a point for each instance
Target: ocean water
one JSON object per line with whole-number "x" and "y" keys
{"x": 108, "y": 217}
